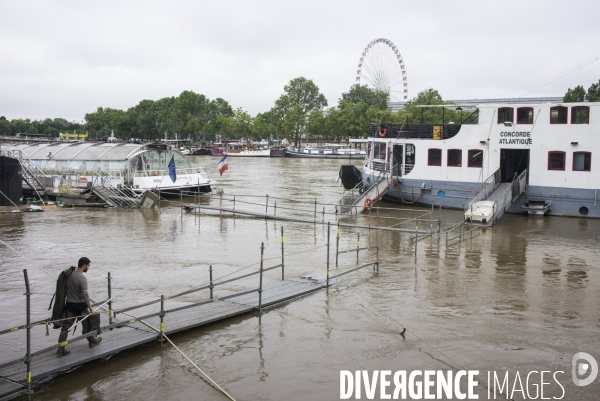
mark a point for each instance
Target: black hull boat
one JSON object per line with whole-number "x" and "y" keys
{"x": 277, "y": 151}
{"x": 201, "y": 151}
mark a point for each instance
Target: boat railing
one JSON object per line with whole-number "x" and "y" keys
{"x": 414, "y": 131}
{"x": 366, "y": 185}
{"x": 380, "y": 166}
{"x": 519, "y": 184}
{"x": 503, "y": 202}
{"x": 165, "y": 173}
{"x": 112, "y": 187}
{"x": 483, "y": 191}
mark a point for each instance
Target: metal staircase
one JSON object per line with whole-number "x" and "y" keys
{"x": 373, "y": 188}
{"x": 113, "y": 195}
{"x": 32, "y": 175}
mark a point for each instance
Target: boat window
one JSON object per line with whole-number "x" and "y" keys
{"x": 582, "y": 161}
{"x": 525, "y": 115}
{"x": 475, "y": 158}
{"x": 558, "y": 115}
{"x": 409, "y": 158}
{"x": 379, "y": 150}
{"x": 505, "y": 114}
{"x": 454, "y": 157}
{"x": 580, "y": 115}
{"x": 434, "y": 157}
{"x": 556, "y": 160}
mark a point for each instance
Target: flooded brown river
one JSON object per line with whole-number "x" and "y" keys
{"x": 522, "y": 296}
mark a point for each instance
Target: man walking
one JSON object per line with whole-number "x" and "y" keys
{"x": 78, "y": 303}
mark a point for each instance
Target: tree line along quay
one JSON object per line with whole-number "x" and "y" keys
{"x": 300, "y": 113}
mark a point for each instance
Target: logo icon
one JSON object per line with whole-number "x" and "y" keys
{"x": 581, "y": 368}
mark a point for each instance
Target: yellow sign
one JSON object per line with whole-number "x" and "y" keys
{"x": 437, "y": 132}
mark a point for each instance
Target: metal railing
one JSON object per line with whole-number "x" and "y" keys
{"x": 368, "y": 187}
{"x": 179, "y": 171}
{"x": 30, "y": 169}
{"x": 116, "y": 195}
{"x": 483, "y": 191}
{"x": 280, "y": 296}
{"x": 519, "y": 184}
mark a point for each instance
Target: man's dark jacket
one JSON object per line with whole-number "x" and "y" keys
{"x": 59, "y": 311}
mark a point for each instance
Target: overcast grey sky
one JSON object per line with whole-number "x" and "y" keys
{"x": 66, "y": 58}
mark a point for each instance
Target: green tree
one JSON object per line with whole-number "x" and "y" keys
{"x": 427, "y": 115}
{"x": 593, "y": 93}
{"x": 334, "y": 124}
{"x": 301, "y": 96}
{"x": 317, "y": 126}
{"x": 574, "y": 95}
{"x": 294, "y": 124}
{"x": 23, "y": 126}
{"x": 145, "y": 118}
{"x": 4, "y": 127}
{"x": 365, "y": 95}
{"x": 262, "y": 127}
{"x": 240, "y": 125}
{"x": 218, "y": 110}
{"x": 191, "y": 111}
{"x": 354, "y": 118}
{"x": 167, "y": 126}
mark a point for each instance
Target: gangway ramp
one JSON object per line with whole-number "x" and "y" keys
{"x": 365, "y": 194}
{"x": 493, "y": 198}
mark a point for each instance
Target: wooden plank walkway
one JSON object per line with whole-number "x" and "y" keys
{"x": 132, "y": 334}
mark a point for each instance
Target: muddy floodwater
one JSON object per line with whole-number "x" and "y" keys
{"x": 521, "y": 297}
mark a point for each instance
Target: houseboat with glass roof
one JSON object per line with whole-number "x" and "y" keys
{"x": 547, "y": 149}
{"x": 139, "y": 167}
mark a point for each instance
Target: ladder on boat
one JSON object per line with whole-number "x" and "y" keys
{"x": 366, "y": 193}
{"x": 501, "y": 194}
{"x": 33, "y": 176}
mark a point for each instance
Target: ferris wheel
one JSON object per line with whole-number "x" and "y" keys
{"x": 381, "y": 68}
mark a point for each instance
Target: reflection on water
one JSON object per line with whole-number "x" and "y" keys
{"x": 523, "y": 294}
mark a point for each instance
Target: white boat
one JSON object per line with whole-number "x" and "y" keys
{"x": 329, "y": 151}
{"x": 531, "y": 152}
{"x": 481, "y": 212}
{"x": 139, "y": 167}
{"x": 250, "y": 153}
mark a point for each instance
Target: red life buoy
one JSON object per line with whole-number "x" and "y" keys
{"x": 381, "y": 132}
{"x": 368, "y": 204}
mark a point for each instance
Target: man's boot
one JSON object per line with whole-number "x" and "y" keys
{"x": 62, "y": 351}
{"x": 93, "y": 324}
{"x": 94, "y": 341}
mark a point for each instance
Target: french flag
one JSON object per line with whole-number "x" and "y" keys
{"x": 222, "y": 165}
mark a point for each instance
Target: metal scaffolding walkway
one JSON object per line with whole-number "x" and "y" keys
{"x": 17, "y": 375}
{"x": 131, "y": 333}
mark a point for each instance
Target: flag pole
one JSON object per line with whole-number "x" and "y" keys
{"x": 168, "y": 169}
{"x": 164, "y": 173}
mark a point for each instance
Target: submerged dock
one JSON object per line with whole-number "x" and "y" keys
{"x": 131, "y": 333}
{"x": 126, "y": 330}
